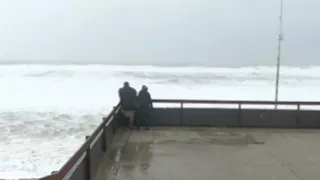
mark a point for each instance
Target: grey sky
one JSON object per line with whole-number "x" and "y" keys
{"x": 215, "y": 32}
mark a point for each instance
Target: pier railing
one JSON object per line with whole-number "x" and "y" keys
{"x": 82, "y": 158}
{"x": 183, "y": 102}
{"x": 83, "y": 164}
{"x": 230, "y": 113}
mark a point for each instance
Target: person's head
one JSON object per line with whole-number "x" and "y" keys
{"x": 126, "y": 84}
{"x": 144, "y": 88}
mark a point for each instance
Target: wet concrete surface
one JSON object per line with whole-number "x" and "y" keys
{"x": 174, "y": 153}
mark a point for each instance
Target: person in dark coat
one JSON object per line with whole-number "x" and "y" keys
{"x": 145, "y": 105}
{"x": 128, "y": 100}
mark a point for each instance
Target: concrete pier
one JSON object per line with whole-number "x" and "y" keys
{"x": 194, "y": 153}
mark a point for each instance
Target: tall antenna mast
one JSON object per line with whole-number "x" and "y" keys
{"x": 280, "y": 39}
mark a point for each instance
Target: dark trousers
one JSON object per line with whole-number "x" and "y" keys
{"x": 143, "y": 117}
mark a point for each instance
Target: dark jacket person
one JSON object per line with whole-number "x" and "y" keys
{"x": 145, "y": 104}
{"x": 128, "y": 97}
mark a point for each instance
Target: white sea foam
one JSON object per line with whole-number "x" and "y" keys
{"x": 46, "y": 110}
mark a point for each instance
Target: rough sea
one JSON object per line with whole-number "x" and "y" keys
{"x": 46, "y": 110}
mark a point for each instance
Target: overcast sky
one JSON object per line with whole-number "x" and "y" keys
{"x": 200, "y": 32}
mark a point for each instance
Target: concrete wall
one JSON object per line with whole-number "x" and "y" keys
{"x": 209, "y": 117}
{"x": 268, "y": 118}
{"x": 309, "y": 119}
{"x": 166, "y": 117}
{"x": 235, "y": 118}
{"x": 96, "y": 153}
{"x": 81, "y": 172}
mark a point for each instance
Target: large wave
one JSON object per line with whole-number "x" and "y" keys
{"x": 46, "y": 110}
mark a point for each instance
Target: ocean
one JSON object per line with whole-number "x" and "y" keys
{"x": 47, "y": 110}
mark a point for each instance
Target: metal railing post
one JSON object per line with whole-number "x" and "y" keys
{"x": 104, "y": 138}
{"x": 88, "y": 162}
{"x": 181, "y": 113}
{"x": 239, "y": 114}
{"x": 113, "y": 121}
{"x": 298, "y": 115}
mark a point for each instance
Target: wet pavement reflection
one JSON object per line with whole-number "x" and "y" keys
{"x": 137, "y": 157}
{"x": 209, "y": 153}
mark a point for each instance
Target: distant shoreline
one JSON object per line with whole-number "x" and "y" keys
{"x": 59, "y": 63}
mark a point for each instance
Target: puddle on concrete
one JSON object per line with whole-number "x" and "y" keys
{"x": 216, "y": 138}
{"x": 137, "y": 154}
{"x": 137, "y": 157}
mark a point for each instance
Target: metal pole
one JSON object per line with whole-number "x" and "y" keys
{"x": 280, "y": 39}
